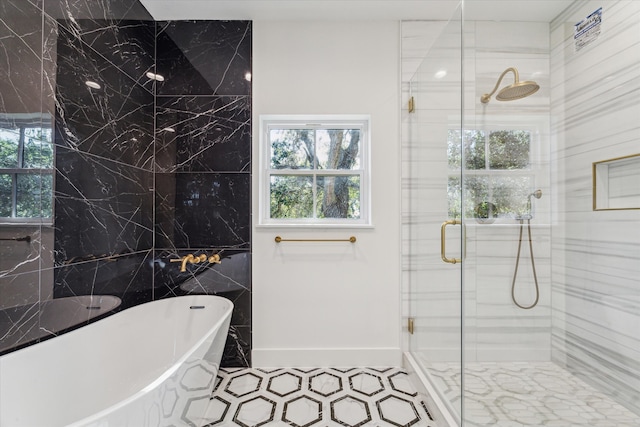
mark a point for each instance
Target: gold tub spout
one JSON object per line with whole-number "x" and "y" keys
{"x": 191, "y": 259}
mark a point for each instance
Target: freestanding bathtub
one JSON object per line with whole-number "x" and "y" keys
{"x": 150, "y": 365}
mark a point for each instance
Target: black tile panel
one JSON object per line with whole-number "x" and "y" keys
{"x": 111, "y": 11}
{"x": 207, "y": 134}
{"x": 129, "y": 45}
{"x": 204, "y": 57}
{"x": 115, "y": 121}
{"x": 21, "y": 58}
{"x": 230, "y": 278}
{"x": 102, "y": 208}
{"x": 203, "y": 210}
{"x": 129, "y": 277}
{"x": 237, "y": 349}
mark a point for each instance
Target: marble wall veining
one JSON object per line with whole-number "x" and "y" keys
{"x": 129, "y": 195}
{"x": 103, "y": 197}
{"x": 26, "y": 99}
{"x": 596, "y": 268}
{"x": 588, "y": 260}
{"x": 203, "y": 158}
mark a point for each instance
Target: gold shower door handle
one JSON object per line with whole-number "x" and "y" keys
{"x": 443, "y": 239}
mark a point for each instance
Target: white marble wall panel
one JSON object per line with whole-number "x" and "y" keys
{"x": 502, "y": 330}
{"x": 596, "y": 254}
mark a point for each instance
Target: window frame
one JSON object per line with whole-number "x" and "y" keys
{"x": 21, "y": 125}
{"x": 269, "y": 122}
{"x": 536, "y": 129}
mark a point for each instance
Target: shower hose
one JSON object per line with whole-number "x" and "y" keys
{"x": 533, "y": 265}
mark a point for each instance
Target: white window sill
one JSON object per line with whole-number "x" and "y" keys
{"x": 315, "y": 226}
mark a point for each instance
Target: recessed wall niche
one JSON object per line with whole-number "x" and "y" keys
{"x": 616, "y": 183}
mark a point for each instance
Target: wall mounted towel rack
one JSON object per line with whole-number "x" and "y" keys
{"x": 351, "y": 239}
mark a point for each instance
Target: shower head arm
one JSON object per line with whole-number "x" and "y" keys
{"x": 487, "y": 96}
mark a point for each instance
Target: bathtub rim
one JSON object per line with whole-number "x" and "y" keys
{"x": 186, "y": 301}
{"x": 167, "y": 374}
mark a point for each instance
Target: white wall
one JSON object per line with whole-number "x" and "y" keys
{"x": 330, "y": 304}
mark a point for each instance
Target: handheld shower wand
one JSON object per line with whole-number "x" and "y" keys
{"x": 537, "y": 194}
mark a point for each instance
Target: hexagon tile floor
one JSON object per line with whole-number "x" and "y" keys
{"x": 351, "y": 397}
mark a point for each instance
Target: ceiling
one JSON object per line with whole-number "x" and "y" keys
{"x": 342, "y": 10}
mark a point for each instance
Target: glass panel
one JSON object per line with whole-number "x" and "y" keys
{"x": 338, "y": 197}
{"x": 9, "y": 143}
{"x": 38, "y": 150}
{"x": 435, "y": 141}
{"x": 5, "y": 195}
{"x": 338, "y": 148}
{"x": 477, "y": 197}
{"x": 506, "y": 196}
{"x": 292, "y": 148}
{"x": 509, "y": 149}
{"x": 474, "y": 154}
{"x": 510, "y": 195}
{"x": 291, "y": 196}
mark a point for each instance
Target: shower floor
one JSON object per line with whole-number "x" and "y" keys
{"x": 528, "y": 394}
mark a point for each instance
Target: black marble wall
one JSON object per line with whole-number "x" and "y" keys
{"x": 26, "y": 99}
{"x": 203, "y": 159}
{"x": 104, "y": 152}
{"x": 145, "y": 171}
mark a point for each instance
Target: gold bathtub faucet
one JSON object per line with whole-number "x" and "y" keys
{"x": 192, "y": 259}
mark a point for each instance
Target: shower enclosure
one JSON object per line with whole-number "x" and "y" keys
{"x": 524, "y": 301}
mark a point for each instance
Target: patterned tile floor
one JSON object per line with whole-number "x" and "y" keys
{"x": 350, "y": 397}
{"x": 528, "y": 394}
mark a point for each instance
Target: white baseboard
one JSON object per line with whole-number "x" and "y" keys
{"x": 323, "y": 357}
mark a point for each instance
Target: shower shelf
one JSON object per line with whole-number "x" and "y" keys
{"x": 616, "y": 183}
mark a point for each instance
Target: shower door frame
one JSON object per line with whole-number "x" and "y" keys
{"x": 441, "y": 318}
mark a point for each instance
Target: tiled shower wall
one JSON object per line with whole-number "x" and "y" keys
{"x": 125, "y": 202}
{"x": 596, "y": 254}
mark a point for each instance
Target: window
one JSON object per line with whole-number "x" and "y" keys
{"x": 497, "y": 172}
{"x": 26, "y": 171}
{"x": 315, "y": 170}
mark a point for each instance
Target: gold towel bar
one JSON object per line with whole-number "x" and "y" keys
{"x": 351, "y": 239}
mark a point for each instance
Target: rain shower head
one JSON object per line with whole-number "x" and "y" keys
{"x": 512, "y": 92}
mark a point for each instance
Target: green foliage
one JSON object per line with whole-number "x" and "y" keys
{"x": 474, "y": 149}
{"x": 34, "y": 196}
{"x": 9, "y": 143}
{"x": 291, "y": 197}
{"x": 502, "y": 150}
{"x": 5, "y": 195}
{"x": 314, "y": 150}
{"x": 38, "y": 149}
{"x": 27, "y": 149}
{"x": 509, "y": 149}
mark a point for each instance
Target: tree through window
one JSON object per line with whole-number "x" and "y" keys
{"x": 315, "y": 170}
{"x": 26, "y": 171}
{"x": 497, "y": 172}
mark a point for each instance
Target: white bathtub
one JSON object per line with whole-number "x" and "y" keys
{"x": 150, "y": 365}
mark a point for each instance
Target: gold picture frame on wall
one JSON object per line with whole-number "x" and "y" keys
{"x": 616, "y": 183}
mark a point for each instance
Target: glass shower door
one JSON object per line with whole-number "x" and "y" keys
{"x": 435, "y": 271}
